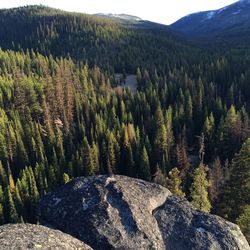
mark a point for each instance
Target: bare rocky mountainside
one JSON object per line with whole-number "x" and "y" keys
{"x": 28, "y": 236}
{"x": 119, "y": 212}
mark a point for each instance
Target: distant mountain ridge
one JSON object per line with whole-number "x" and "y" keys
{"x": 120, "y": 16}
{"x": 230, "y": 24}
{"x": 120, "y": 41}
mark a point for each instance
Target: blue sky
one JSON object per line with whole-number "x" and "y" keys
{"x": 162, "y": 11}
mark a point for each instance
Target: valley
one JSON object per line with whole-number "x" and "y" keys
{"x": 113, "y": 94}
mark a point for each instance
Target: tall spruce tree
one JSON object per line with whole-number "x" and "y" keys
{"x": 11, "y": 215}
{"x": 199, "y": 189}
{"x": 144, "y": 168}
{"x": 244, "y": 222}
{"x": 236, "y": 193}
{"x": 160, "y": 139}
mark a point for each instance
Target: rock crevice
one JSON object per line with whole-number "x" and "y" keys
{"x": 116, "y": 200}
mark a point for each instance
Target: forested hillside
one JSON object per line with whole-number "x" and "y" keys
{"x": 97, "y": 40}
{"x": 228, "y": 26}
{"x": 186, "y": 127}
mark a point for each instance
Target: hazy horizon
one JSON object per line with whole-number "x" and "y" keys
{"x": 156, "y": 11}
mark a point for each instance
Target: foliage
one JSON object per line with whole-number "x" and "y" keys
{"x": 95, "y": 39}
{"x": 61, "y": 118}
{"x": 237, "y": 189}
{"x": 199, "y": 189}
{"x": 244, "y": 222}
{"x": 174, "y": 182}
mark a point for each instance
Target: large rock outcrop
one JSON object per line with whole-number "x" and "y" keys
{"x": 184, "y": 227}
{"x": 119, "y": 212}
{"x": 28, "y": 236}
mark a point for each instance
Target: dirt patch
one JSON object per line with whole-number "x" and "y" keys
{"x": 129, "y": 82}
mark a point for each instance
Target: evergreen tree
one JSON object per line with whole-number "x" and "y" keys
{"x": 208, "y": 131}
{"x": 66, "y": 178}
{"x": 111, "y": 154}
{"x": 11, "y": 184}
{"x": 237, "y": 189}
{"x": 1, "y": 214}
{"x": 160, "y": 139}
{"x": 159, "y": 177}
{"x": 1, "y": 195}
{"x": 87, "y": 161}
{"x": 244, "y": 222}
{"x": 216, "y": 179}
{"x": 94, "y": 157}
{"x": 1, "y": 205}
{"x": 199, "y": 189}
{"x": 11, "y": 215}
{"x": 144, "y": 168}
{"x": 3, "y": 176}
{"x": 174, "y": 182}
{"x": 127, "y": 160}
{"x": 58, "y": 116}
{"x": 182, "y": 161}
{"x": 18, "y": 201}
{"x": 3, "y": 148}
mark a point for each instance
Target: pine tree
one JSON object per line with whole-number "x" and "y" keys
{"x": 244, "y": 221}
{"x": 169, "y": 127}
{"x": 1, "y": 195}
{"x": 208, "y": 131}
{"x": 230, "y": 133}
{"x": 111, "y": 153}
{"x": 94, "y": 155}
{"x": 127, "y": 160}
{"x": 32, "y": 184}
{"x": 1, "y": 214}
{"x": 189, "y": 109}
{"x": 88, "y": 160}
{"x": 199, "y": 189}
{"x": 159, "y": 177}
{"x": 160, "y": 139}
{"x": 3, "y": 148}
{"x": 237, "y": 189}
{"x": 52, "y": 177}
{"x": 144, "y": 168}
{"x": 66, "y": 178}
{"x": 183, "y": 164}
{"x": 21, "y": 152}
{"x": 1, "y": 205}
{"x": 40, "y": 176}
{"x": 216, "y": 179}
{"x": 11, "y": 184}
{"x": 9, "y": 207}
{"x": 174, "y": 182}
{"x": 18, "y": 201}
{"x": 3, "y": 176}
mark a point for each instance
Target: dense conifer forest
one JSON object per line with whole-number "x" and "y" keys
{"x": 62, "y": 114}
{"x": 98, "y": 41}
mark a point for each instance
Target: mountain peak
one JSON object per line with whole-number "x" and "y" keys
{"x": 120, "y": 16}
{"x": 232, "y": 21}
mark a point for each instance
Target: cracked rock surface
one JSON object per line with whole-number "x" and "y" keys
{"x": 28, "y": 236}
{"x": 118, "y": 212}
